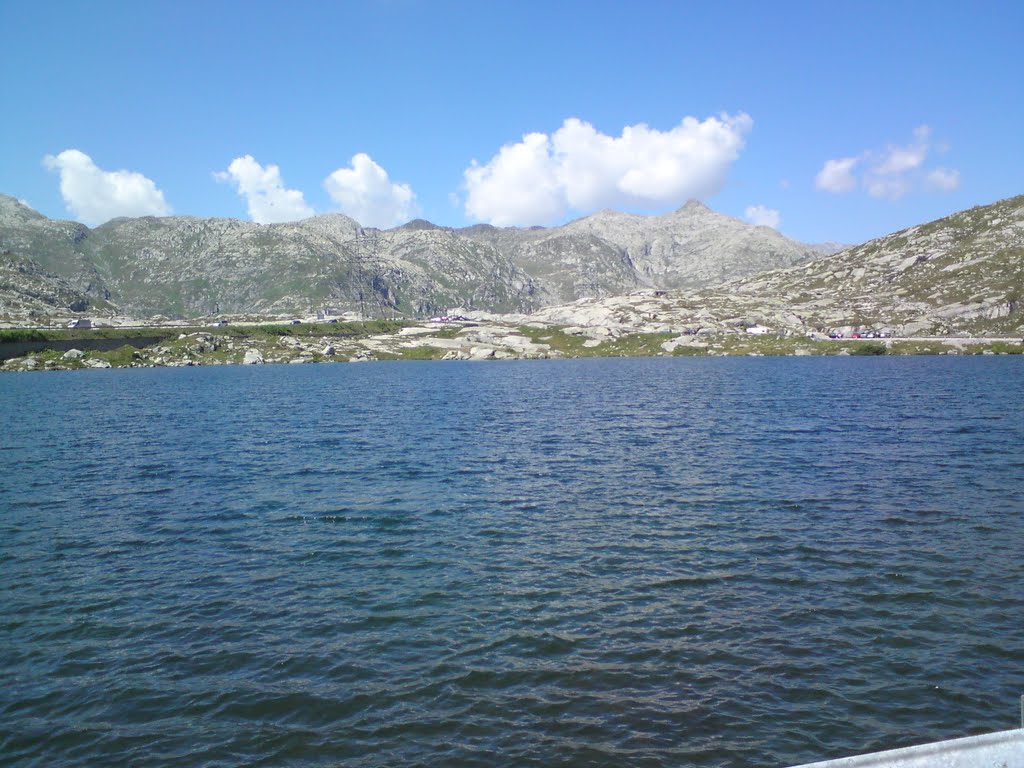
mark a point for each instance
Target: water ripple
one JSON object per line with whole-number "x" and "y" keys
{"x": 606, "y": 563}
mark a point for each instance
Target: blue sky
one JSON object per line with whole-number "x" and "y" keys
{"x": 831, "y": 121}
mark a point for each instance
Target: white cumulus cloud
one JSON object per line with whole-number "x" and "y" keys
{"x": 539, "y": 179}
{"x": 763, "y": 216}
{"x": 95, "y": 196}
{"x": 837, "y": 175}
{"x": 518, "y": 186}
{"x": 268, "y": 200}
{"x": 366, "y": 193}
{"x": 896, "y": 160}
{"x": 943, "y": 179}
{"x": 892, "y": 172}
{"x": 891, "y": 187}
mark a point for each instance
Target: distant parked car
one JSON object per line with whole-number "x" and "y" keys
{"x": 296, "y": 322}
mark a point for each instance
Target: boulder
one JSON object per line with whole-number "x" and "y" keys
{"x": 73, "y": 354}
{"x": 911, "y": 329}
{"x": 252, "y": 357}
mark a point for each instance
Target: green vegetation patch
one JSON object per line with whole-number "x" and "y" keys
{"x": 347, "y": 330}
{"x": 12, "y": 335}
{"x": 447, "y": 333}
{"x": 423, "y": 353}
{"x": 868, "y": 348}
{"x": 122, "y": 357}
{"x": 1001, "y": 348}
{"x": 634, "y": 345}
{"x": 76, "y": 334}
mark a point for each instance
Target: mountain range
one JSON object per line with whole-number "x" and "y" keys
{"x": 959, "y": 275}
{"x": 188, "y": 267}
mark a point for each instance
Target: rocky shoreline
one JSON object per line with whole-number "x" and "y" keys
{"x": 483, "y": 339}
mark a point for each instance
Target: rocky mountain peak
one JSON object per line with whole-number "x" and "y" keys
{"x": 419, "y": 224}
{"x": 333, "y": 225}
{"x": 334, "y": 218}
{"x": 14, "y": 211}
{"x": 694, "y": 206}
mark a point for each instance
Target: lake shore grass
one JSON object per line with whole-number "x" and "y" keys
{"x": 384, "y": 340}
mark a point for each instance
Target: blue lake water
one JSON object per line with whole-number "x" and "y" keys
{"x": 661, "y": 562}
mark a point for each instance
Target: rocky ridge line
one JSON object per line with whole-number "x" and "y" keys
{"x": 191, "y": 267}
